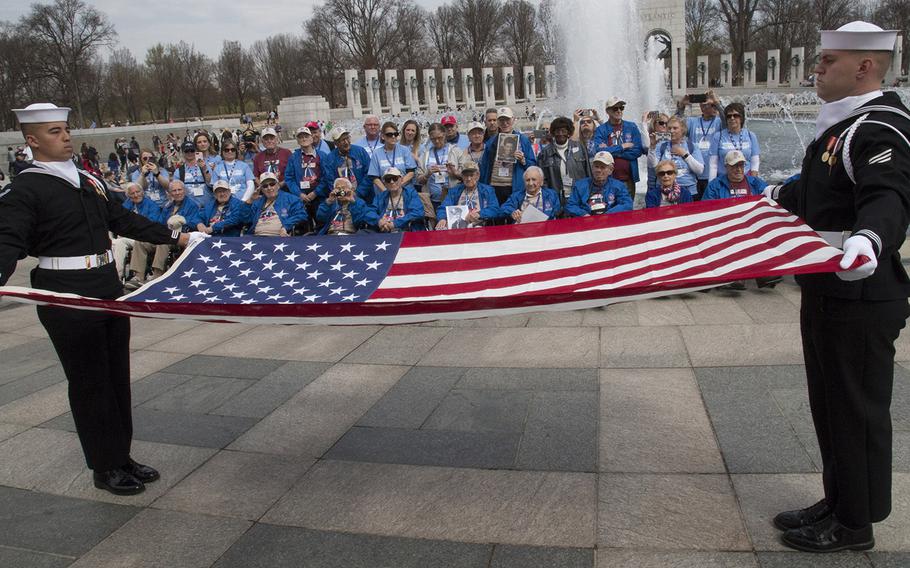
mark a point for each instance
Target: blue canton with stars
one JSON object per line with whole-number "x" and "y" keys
{"x": 276, "y": 270}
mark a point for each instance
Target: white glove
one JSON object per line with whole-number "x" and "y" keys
{"x": 197, "y": 237}
{"x": 857, "y": 245}
{"x": 176, "y": 222}
{"x": 769, "y": 191}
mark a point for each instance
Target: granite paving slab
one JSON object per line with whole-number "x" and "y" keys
{"x": 573, "y": 318}
{"x": 765, "y": 306}
{"x": 200, "y": 338}
{"x": 271, "y": 546}
{"x": 735, "y": 345}
{"x": 560, "y": 432}
{"x": 156, "y": 330}
{"x": 631, "y": 558}
{"x": 29, "y": 559}
{"x": 516, "y": 347}
{"x": 481, "y": 411}
{"x": 297, "y": 343}
{"x": 625, "y": 347}
{"x": 39, "y": 522}
{"x": 507, "y": 556}
{"x": 720, "y": 313}
{"x": 154, "y": 385}
{"x": 889, "y": 559}
{"x": 653, "y": 420}
{"x": 166, "y": 539}
{"x": 10, "y": 430}
{"x": 38, "y": 407}
{"x": 487, "y": 450}
{"x": 681, "y": 512}
{"x": 198, "y": 395}
{"x": 665, "y": 311}
{"x": 801, "y": 560}
{"x": 466, "y": 505}
{"x": 230, "y": 367}
{"x": 144, "y": 363}
{"x": 8, "y": 340}
{"x": 273, "y": 390}
{"x": 614, "y": 315}
{"x": 235, "y": 484}
{"x": 413, "y": 398}
{"x": 397, "y": 345}
{"x": 29, "y": 384}
{"x": 313, "y": 419}
{"x": 544, "y": 379}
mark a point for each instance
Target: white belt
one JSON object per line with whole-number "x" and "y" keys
{"x": 835, "y": 238}
{"x": 75, "y": 262}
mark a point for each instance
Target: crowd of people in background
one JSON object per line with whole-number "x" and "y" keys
{"x": 419, "y": 175}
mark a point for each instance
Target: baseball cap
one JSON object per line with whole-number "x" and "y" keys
{"x": 449, "y": 119}
{"x": 188, "y": 147}
{"x": 338, "y": 132}
{"x": 268, "y": 131}
{"x": 303, "y": 130}
{"x": 505, "y": 111}
{"x": 221, "y": 184}
{"x": 475, "y": 125}
{"x": 267, "y": 175}
{"x": 469, "y": 167}
{"x": 613, "y": 101}
{"x": 393, "y": 171}
{"x": 734, "y": 157}
{"x": 604, "y": 158}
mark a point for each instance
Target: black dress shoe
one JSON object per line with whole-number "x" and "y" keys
{"x": 802, "y": 517}
{"x": 118, "y": 482}
{"x": 143, "y": 473}
{"x": 828, "y": 535}
{"x": 738, "y": 286}
{"x": 768, "y": 281}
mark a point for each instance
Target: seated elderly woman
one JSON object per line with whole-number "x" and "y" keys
{"x": 397, "y": 208}
{"x": 139, "y": 204}
{"x": 535, "y": 195}
{"x": 275, "y": 213}
{"x": 479, "y": 199}
{"x": 668, "y": 191}
{"x": 225, "y": 215}
{"x": 599, "y": 193}
{"x": 342, "y": 212}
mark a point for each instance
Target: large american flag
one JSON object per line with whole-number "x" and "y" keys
{"x": 468, "y": 273}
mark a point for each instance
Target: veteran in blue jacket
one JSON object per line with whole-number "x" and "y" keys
{"x": 622, "y": 139}
{"x": 225, "y": 215}
{"x": 599, "y": 193}
{"x": 502, "y": 166}
{"x": 346, "y": 161}
{"x": 177, "y": 206}
{"x": 535, "y": 195}
{"x": 343, "y": 212}
{"x": 479, "y": 198}
{"x": 397, "y": 208}
{"x": 276, "y": 212}
{"x": 734, "y": 182}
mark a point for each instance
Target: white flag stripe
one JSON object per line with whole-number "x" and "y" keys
{"x": 695, "y": 243}
{"x": 462, "y": 251}
{"x": 543, "y": 286}
{"x": 818, "y": 255}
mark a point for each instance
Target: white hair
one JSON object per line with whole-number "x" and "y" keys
{"x": 534, "y": 169}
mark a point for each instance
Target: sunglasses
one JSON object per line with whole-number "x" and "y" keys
{"x": 618, "y": 107}
{"x": 661, "y": 122}
{"x": 734, "y": 115}
{"x": 229, "y": 149}
{"x": 268, "y": 184}
{"x": 390, "y": 134}
{"x": 144, "y": 158}
{"x": 390, "y": 179}
{"x": 667, "y": 173}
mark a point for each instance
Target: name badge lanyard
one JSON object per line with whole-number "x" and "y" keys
{"x": 392, "y": 211}
{"x": 705, "y": 131}
{"x": 394, "y": 156}
{"x": 537, "y": 203}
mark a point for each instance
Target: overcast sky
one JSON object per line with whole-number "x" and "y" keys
{"x": 204, "y": 23}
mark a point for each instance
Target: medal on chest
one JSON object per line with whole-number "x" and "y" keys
{"x": 832, "y": 147}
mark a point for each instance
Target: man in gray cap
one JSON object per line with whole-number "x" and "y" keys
{"x": 854, "y": 190}
{"x": 62, "y": 215}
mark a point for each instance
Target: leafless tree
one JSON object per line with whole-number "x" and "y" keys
{"x": 702, "y": 22}
{"x": 548, "y": 32}
{"x": 520, "y": 40}
{"x": 440, "y": 26}
{"x": 164, "y": 76}
{"x": 478, "y": 31}
{"x": 280, "y": 66}
{"x": 125, "y": 76}
{"x": 321, "y": 51}
{"x": 738, "y": 16}
{"x": 895, "y": 15}
{"x": 68, "y": 34}
{"x": 235, "y": 77}
{"x": 370, "y": 30}
{"x": 195, "y": 77}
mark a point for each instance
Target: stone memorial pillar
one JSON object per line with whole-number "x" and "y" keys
{"x": 508, "y": 86}
{"x": 749, "y": 69}
{"x": 489, "y": 90}
{"x": 726, "y": 70}
{"x": 411, "y": 97}
{"x": 391, "y": 91}
{"x": 797, "y": 65}
{"x": 374, "y": 88}
{"x": 530, "y": 80}
{"x": 467, "y": 84}
{"x": 550, "y": 79}
{"x": 448, "y": 88}
{"x": 352, "y": 91}
{"x": 773, "y": 62}
{"x": 430, "y": 94}
{"x": 701, "y": 73}
{"x": 897, "y": 59}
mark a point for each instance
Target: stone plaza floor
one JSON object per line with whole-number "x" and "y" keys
{"x": 658, "y": 433}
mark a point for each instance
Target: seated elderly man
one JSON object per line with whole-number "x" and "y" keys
{"x": 398, "y": 208}
{"x": 342, "y": 212}
{"x": 535, "y": 195}
{"x": 479, "y": 199}
{"x": 599, "y": 193}
{"x": 179, "y": 213}
{"x": 225, "y": 215}
{"x": 275, "y": 213}
{"x": 138, "y": 203}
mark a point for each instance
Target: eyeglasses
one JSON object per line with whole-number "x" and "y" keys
{"x": 661, "y": 123}
{"x": 734, "y": 115}
{"x": 144, "y": 158}
{"x": 229, "y": 149}
{"x": 667, "y": 173}
{"x": 268, "y": 184}
{"x": 617, "y": 107}
{"x": 390, "y": 179}
{"x": 390, "y": 134}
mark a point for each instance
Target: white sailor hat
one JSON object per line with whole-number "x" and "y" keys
{"x": 859, "y": 36}
{"x": 41, "y": 112}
